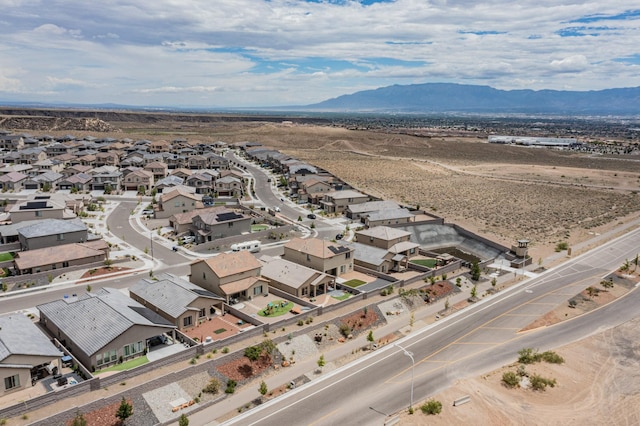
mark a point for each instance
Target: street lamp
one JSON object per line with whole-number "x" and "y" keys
{"x": 413, "y": 364}
{"x": 151, "y": 243}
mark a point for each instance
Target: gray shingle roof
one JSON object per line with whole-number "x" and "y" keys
{"x": 19, "y": 336}
{"x": 171, "y": 294}
{"x": 93, "y": 322}
{"x": 369, "y": 254}
{"x": 52, "y": 227}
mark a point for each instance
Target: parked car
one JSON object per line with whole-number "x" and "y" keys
{"x": 147, "y": 212}
{"x": 188, "y": 239}
{"x": 276, "y": 208}
{"x": 339, "y": 237}
{"x": 311, "y": 216}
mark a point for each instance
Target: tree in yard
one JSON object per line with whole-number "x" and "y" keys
{"x": 475, "y": 271}
{"x": 79, "y": 419}
{"x": 253, "y": 352}
{"x": 444, "y": 277}
{"x": 446, "y": 304}
{"x": 141, "y": 190}
{"x": 494, "y": 281}
{"x": 370, "y": 337}
{"x": 474, "y": 291}
{"x": 321, "y": 362}
{"x": 431, "y": 407}
{"x": 592, "y": 291}
{"x": 432, "y": 280}
{"x": 125, "y": 410}
{"x": 183, "y": 420}
{"x": 88, "y": 288}
{"x": 263, "y": 388}
{"x": 607, "y": 283}
{"x": 458, "y": 281}
{"x": 365, "y": 310}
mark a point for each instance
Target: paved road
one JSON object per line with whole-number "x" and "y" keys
{"x": 478, "y": 339}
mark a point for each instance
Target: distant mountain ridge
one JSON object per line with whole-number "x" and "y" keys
{"x": 450, "y": 97}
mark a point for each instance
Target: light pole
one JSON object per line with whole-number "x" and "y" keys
{"x": 413, "y": 364}
{"x": 151, "y": 243}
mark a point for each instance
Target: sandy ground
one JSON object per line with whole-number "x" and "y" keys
{"x": 599, "y": 382}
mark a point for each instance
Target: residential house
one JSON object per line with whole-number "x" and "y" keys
{"x": 45, "y": 181}
{"x": 25, "y": 352}
{"x": 158, "y": 169}
{"x": 103, "y": 328}
{"x": 72, "y": 170}
{"x": 181, "y": 172}
{"x": 80, "y": 182}
{"x": 32, "y": 155}
{"x": 384, "y": 249}
{"x": 177, "y": 201}
{"x": 180, "y": 302}
{"x": 107, "y": 159}
{"x": 66, "y": 159}
{"x": 10, "y": 142}
{"x": 219, "y": 222}
{"x": 229, "y": 186}
{"x": 215, "y": 161}
{"x": 175, "y": 161}
{"x": 388, "y": 217}
{"x": 159, "y": 146}
{"x": 197, "y": 162}
{"x": 56, "y": 257}
{"x": 106, "y": 178}
{"x": 140, "y": 179}
{"x": 358, "y": 211}
{"x": 40, "y": 207}
{"x": 13, "y": 181}
{"x": 87, "y": 160}
{"x": 338, "y": 201}
{"x": 294, "y": 279}
{"x": 168, "y": 183}
{"x": 52, "y": 232}
{"x": 48, "y": 165}
{"x": 234, "y": 276}
{"x": 322, "y": 255}
{"x": 202, "y": 182}
{"x": 312, "y": 189}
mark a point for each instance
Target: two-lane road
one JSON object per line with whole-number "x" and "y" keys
{"x": 478, "y": 339}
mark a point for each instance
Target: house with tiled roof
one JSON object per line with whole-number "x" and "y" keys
{"x": 168, "y": 183}
{"x": 24, "y": 351}
{"x": 13, "y": 181}
{"x": 40, "y": 207}
{"x": 140, "y": 179}
{"x": 234, "y": 276}
{"x": 176, "y": 201}
{"x": 322, "y": 255}
{"x": 158, "y": 169}
{"x": 58, "y": 257}
{"x": 80, "y": 181}
{"x": 180, "y": 302}
{"x": 384, "y": 249}
{"x": 295, "y": 279}
{"x": 357, "y": 211}
{"x": 202, "y": 182}
{"x": 103, "y": 328}
{"x": 219, "y": 222}
{"x": 228, "y": 186}
{"x": 338, "y": 201}
{"x": 388, "y": 217}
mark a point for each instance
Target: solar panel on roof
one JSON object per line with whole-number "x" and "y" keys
{"x": 338, "y": 249}
{"x": 223, "y": 217}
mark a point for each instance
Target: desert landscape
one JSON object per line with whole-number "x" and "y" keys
{"x": 500, "y": 192}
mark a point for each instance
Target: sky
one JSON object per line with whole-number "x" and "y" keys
{"x": 257, "y": 53}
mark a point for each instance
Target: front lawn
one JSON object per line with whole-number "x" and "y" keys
{"x": 276, "y": 308}
{"x": 4, "y": 257}
{"x": 354, "y": 283}
{"x": 258, "y": 228}
{"x": 429, "y": 263}
{"x": 127, "y": 365}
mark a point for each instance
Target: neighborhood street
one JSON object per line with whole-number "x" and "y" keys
{"x": 478, "y": 339}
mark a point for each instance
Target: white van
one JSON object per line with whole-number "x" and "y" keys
{"x": 252, "y": 246}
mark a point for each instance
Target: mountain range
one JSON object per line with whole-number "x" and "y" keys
{"x": 460, "y": 98}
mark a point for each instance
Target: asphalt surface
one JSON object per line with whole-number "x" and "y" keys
{"x": 470, "y": 342}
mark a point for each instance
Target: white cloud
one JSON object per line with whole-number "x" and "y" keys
{"x": 258, "y": 52}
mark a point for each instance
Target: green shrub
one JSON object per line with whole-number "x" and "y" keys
{"x": 225, "y": 350}
{"x": 431, "y": 407}
{"x": 231, "y": 386}
{"x": 345, "y": 330}
{"x": 527, "y": 356}
{"x": 253, "y": 352}
{"x": 552, "y": 357}
{"x": 540, "y": 383}
{"x": 510, "y": 379}
{"x": 563, "y": 245}
{"x": 212, "y": 387}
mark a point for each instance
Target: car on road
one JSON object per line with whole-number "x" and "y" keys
{"x": 311, "y": 216}
{"x": 147, "y": 212}
{"x": 276, "y": 208}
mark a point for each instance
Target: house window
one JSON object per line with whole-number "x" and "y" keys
{"x": 347, "y": 255}
{"x": 412, "y": 251}
{"x": 187, "y": 321}
{"x": 342, "y": 269}
{"x": 12, "y": 382}
{"x": 305, "y": 291}
{"x": 257, "y": 290}
{"x": 308, "y": 258}
{"x": 230, "y": 224}
{"x": 202, "y": 313}
{"x": 60, "y": 237}
{"x": 65, "y": 264}
{"x": 114, "y": 355}
{"x": 204, "y": 276}
{"x": 176, "y": 204}
{"x": 38, "y": 213}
